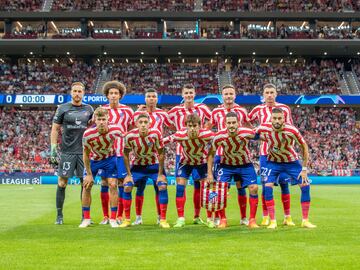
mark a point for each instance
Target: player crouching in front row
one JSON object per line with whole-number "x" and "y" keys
{"x": 235, "y": 163}
{"x": 148, "y": 148}
{"x": 100, "y": 157}
{"x": 282, "y": 157}
{"x": 195, "y": 142}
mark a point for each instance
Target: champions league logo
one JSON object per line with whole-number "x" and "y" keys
{"x": 213, "y": 197}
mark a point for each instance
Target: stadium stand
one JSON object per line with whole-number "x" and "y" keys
{"x": 20, "y": 5}
{"x": 41, "y": 78}
{"x": 135, "y": 5}
{"x": 38, "y": 77}
{"x": 290, "y": 78}
{"x": 167, "y": 78}
{"x": 24, "y": 140}
{"x": 281, "y": 5}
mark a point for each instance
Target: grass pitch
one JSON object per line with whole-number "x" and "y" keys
{"x": 30, "y": 240}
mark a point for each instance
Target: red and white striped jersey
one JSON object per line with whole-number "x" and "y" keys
{"x": 262, "y": 114}
{"x": 280, "y": 143}
{"x": 193, "y": 151}
{"x": 145, "y": 149}
{"x": 158, "y": 119}
{"x": 178, "y": 116}
{"x": 122, "y": 117}
{"x": 101, "y": 146}
{"x": 236, "y": 149}
{"x": 218, "y": 119}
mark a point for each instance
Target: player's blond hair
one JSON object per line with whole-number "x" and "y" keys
{"x": 114, "y": 84}
{"x": 226, "y": 86}
{"x": 78, "y": 83}
{"x": 188, "y": 86}
{"x": 101, "y": 112}
{"x": 193, "y": 119}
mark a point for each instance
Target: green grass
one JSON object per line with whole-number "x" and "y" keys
{"x": 29, "y": 240}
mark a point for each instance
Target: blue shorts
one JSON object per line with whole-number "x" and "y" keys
{"x": 217, "y": 160}
{"x": 274, "y": 169}
{"x": 244, "y": 173}
{"x": 121, "y": 168}
{"x": 195, "y": 175}
{"x": 198, "y": 171}
{"x": 105, "y": 168}
{"x": 141, "y": 173}
{"x": 283, "y": 177}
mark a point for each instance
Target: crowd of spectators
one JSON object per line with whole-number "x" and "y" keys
{"x": 224, "y": 32}
{"x": 332, "y": 136}
{"x": 331, "y": 133}
{"x": 41, "y": 78}
{"x": 21, "y": 5}
{"x": 167, "y": 78}
{"x": 126, "y": 5}
{"x": 282, "y": 5}
{"x": 25, "y": 140}
{"x": 290, "y": 78}
{"x": 38, "y": 77}
{"x": 186, "y": 5}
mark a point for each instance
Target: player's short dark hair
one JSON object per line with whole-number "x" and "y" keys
{"x": 226, "y": 86}
{"x": 277, "y": 110}
{"x": 188, "y": 86}
{"x": 269, "y": 85}
{"x": 193, "y": 118}
{"x": 143, "y": 115}
{"x": 114, "y": 84}
{"x": 231, "y": 114}
{"x": 78, "y": 83}
{"x": 150, "y": 90}
{"x": 101, "y": 112}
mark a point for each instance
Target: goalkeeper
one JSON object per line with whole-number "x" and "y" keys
{"x": 73, "y": 117}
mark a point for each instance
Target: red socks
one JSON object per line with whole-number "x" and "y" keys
{"x": 180, "y": 203}
{"x": 105, "y": 203}
{"x": 242, "y": 205}
{"x": 271, "y": 208}
{"x": 139, "y": 201}
{"x": 127, "y": 208}
{"x": 196, "y": 200}
{"x": 264, "y": 208}
{"x": 305, "y": 206}
{"x": 253, "y": 201}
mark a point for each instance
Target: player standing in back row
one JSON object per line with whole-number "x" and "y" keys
{"x": 121, "y": 116}
{"x": 73, "y": 117}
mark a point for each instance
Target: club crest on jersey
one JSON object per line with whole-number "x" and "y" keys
{"x": 77, "y": 122}
{"x": 213, "y": 197}
{"x": 150, "y": 144}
